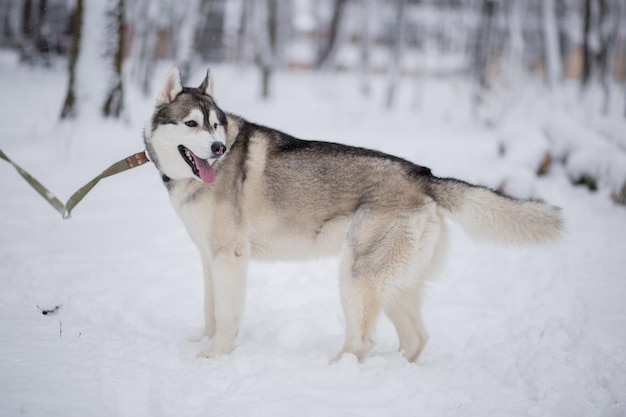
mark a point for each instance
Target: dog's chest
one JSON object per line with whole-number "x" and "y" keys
{"x": 192, "y": 202}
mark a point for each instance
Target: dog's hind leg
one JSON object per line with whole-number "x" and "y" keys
{"x": 374, "y": 252}
{"x": 405, "y": 312}
{"x": 362, "y": 304}
{"x": 404, "y": 307}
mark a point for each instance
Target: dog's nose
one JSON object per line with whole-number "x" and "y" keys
{"x": 218, "y": 148}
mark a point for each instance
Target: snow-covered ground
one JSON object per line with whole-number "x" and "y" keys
{"x": 533, "y": 331}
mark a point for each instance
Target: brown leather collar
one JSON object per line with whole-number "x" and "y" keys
{"x": 137, "y": 159}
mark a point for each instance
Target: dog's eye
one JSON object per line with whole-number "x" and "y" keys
{"x": 191, "y": 123}
{"x": 214, "y": 125}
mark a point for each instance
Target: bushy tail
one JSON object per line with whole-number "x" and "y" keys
{"x": 486, "y": 215}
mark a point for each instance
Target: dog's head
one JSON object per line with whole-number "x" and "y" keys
{"x": 187, "y": 130}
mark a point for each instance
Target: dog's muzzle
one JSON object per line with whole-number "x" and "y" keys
{"x": 200, "y": 167}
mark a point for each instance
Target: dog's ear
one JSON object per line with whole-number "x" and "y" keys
{"x": 207, "y": 85}
{"x": 173, "y": 86}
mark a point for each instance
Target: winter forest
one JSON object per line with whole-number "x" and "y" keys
{"x": 527, "y": 97}
{"x": 489, "y": 41}
{"x": 499, "y": 47}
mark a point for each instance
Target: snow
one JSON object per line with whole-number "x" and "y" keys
{"x": 586, "y": 152}
{"x": 531, "y": 331}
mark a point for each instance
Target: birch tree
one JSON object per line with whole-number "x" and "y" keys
{"x": 551, "y": 41}
{"x": 393, "y": 70}
{"x": 586, "y": 46}
{"x": 94, "y": 72}
{"x": 516, "y": 45}
{"x": 367, "y": 9}
{"x": 483, "y": 45}
{"x": 114, "y": 100}
{"x": 143, "y": 16}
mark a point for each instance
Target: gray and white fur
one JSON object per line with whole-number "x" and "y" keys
{"x": 246, "y": 191}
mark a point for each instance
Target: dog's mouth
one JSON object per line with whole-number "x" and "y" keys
{"x": 199, "y": 167}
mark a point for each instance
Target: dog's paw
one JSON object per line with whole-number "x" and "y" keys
{"x": 222, "y": 345}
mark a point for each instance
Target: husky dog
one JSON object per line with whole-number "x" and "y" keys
{"x": 246, "y": 192}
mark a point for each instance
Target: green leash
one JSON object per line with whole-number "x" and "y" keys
{"x": 65, "y": 210}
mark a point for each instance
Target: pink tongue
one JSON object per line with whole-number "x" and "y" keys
{"x": 207, "y": 173}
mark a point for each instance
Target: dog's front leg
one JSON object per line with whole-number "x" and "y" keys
{"x": 209, "y": 297}
{"x": 228, "y": 273}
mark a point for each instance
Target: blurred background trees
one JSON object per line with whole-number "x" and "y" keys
{"x": 491, "y": 42}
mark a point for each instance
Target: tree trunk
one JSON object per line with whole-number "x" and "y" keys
{"x": 268, "y": 53}
{"x": 27, "y": 19}
{"x": 328, "y": 50}
{"x": 146, "y": 48}
{"x": 516, "y": 45}
{"x": 10, "y": 34}
{"x": 610, "y": 15}
{"x": 586, "y": 74}
{"x": 184, "y": 28}
{"x": 244, "y": 32}
{"x": 209, "y": 39}
{"x": 33, "y": 47}
{"x": 114, "y": 101}
{"x": 69, "y": 105}
{"x": 366, "y": 45}
{"x": 393, "y": 72}
{"x": 483, "y": 45}
{"x": 551, "y": 42}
